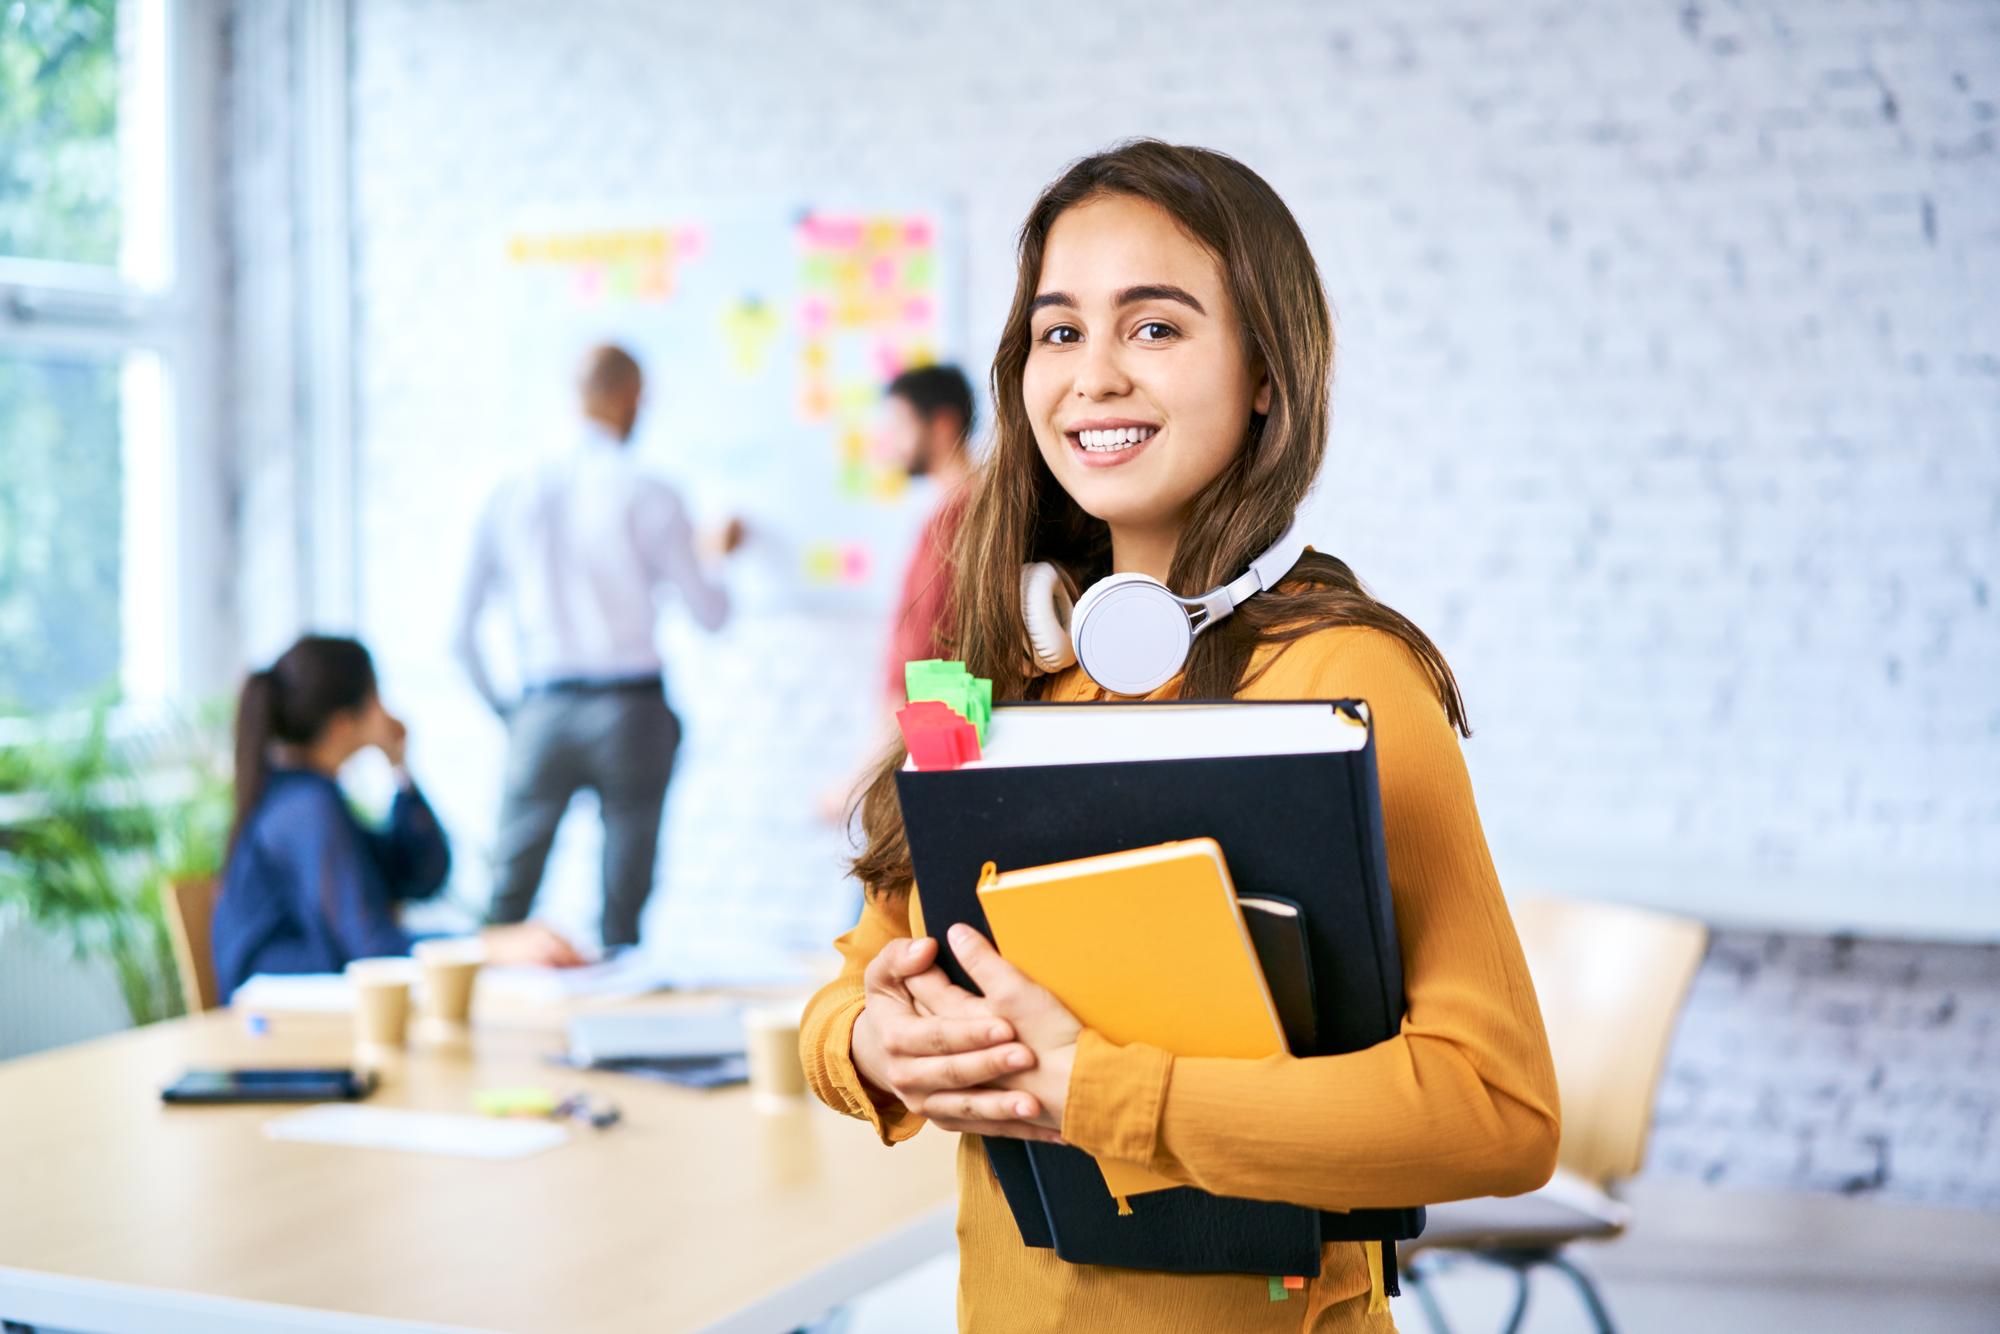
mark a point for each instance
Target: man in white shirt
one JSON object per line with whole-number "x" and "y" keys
{"x": 585, "y": 549}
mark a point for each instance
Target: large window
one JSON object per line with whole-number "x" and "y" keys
{"x": 59, "y": 169}
{"x": 102, "y": 342}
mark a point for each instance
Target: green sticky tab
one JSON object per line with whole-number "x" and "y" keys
{"x": 949, "y": 683}
{"x": 528, "y": 1101}
{"x": 927, "y": 674}
{"x": 1278, "y": 1293}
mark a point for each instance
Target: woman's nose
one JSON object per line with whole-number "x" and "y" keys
{"x": 1101, "y": 372}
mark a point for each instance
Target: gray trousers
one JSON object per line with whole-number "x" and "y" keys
{"x": 617, "y": 741}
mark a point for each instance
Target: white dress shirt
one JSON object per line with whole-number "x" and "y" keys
{"x": 586, "y": 549}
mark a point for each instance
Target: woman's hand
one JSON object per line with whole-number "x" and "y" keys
{"x": 529, "y": 943}
{"x": 385, "y": 731}
{"x": 941, "y": 1066}
{"x": 1041, "y": 1022}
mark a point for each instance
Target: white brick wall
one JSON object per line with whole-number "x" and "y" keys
{"x": 1861, "y": 1067}
{"x": 1668, "y": 396}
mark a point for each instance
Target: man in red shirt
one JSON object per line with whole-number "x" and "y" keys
{"x": 926, "y": 425}
{"x": 927, "y": 421}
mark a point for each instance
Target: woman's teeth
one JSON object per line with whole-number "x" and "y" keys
{"x": 1108, "y": 442}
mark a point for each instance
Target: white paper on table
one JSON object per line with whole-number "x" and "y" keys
{"x": 640, "y": 972}
{"x": 632, "y": 973}
{"x": 306, "y": 993}
{"x": 417, "y": 1132}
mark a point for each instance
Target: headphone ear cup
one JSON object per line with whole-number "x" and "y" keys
{"x": 1046, "y": 602}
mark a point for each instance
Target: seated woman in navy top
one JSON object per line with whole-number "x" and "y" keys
{"x": 307, "y": 886}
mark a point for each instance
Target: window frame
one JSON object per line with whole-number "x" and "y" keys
{"x": 176, "y": 641}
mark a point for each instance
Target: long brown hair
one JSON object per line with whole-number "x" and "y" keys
{"x": 1018, "y": 512}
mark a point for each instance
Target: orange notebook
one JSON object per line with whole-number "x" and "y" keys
{"x": 1142, "y": 946}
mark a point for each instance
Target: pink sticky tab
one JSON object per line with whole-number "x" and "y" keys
{"x": 936, "y": 735}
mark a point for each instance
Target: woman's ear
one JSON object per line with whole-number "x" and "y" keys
{"x": 1262, "y": 402}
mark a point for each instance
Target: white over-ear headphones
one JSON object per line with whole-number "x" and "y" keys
{"x": 1130, "y": 632}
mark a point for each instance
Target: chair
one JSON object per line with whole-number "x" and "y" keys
{"x": 190, "y": 911}
{"x": 1611, "y": 981}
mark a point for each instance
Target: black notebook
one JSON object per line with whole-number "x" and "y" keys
{"x": 1290, "y": 793}
{"x": 1278, "y": 933}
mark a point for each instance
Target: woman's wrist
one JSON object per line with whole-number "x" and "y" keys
{"x": 862, "y": 1053}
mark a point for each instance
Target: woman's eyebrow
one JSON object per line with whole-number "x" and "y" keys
{"x": 1132, "y": 296}
{"x": 1052, "y": 299}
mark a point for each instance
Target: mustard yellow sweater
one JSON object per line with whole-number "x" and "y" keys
{"x": 1461, "y": 1103}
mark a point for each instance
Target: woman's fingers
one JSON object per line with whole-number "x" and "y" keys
{"x": 938, "y": 994}
{"x": 979, "y": 1105}
{"x": 942, "y": 1037}
{"x": 918, "y": 1076}
{"x": 888, "y": 972}
{"x": 995, "y": 977}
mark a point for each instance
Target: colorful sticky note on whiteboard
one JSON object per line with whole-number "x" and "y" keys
{"x": 815, "y": 402}
{"x": 655, "y": 281}
{"x": 839, "y": 563}
{"x": 748, "y": 327}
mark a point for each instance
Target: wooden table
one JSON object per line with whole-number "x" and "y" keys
{"x": 696, "y": 1212}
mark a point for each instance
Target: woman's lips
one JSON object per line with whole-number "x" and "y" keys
{"x": 1109, "y": 457}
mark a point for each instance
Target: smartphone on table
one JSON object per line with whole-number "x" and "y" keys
{"x": 303, "y": 1084}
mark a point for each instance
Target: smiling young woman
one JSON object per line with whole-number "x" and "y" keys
{"x": 1161, "y": 393}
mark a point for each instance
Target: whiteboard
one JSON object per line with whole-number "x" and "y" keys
{"x": 767, "y": 331}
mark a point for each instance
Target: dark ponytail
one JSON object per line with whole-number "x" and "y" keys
{"x": 292, "y": 701}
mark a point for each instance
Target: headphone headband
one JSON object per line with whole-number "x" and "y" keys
{"x": 1276, "y": 563}
{"x": 1264, "y": 572}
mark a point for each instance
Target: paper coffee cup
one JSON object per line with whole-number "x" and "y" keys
{"x": 449, "y": 968}
{"x": 771, "y": 1041}
{"x": 381, "y": 1003}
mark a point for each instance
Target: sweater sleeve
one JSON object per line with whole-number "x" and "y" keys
{"x": 335, "y": 880}
{"x": 1460, "y": 1103}
{"x": 411, "y": 849}
{"x": 826, "y": 1032}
